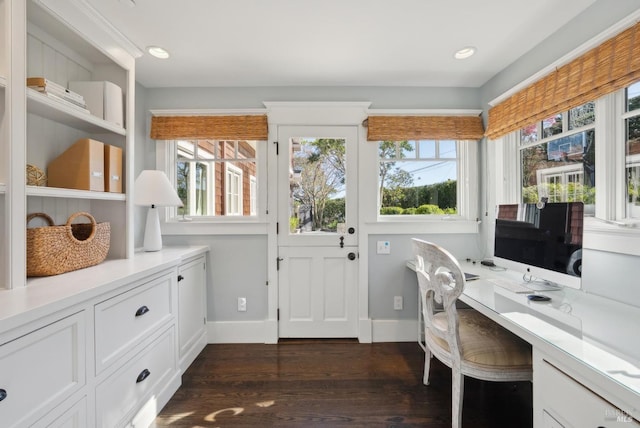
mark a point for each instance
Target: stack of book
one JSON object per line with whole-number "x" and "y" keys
{"x": 57, "y": 92}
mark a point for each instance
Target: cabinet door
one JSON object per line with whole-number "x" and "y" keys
{"x": 191, "y": 309}
{"x": 40, "y": 370}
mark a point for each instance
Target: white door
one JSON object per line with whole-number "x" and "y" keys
{"x": 317, "y": 236}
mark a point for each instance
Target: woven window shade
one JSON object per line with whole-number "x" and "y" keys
{"x": 248, "y": 127}
{"x": 604, "y": 69}
{"x": 396, "y": 128}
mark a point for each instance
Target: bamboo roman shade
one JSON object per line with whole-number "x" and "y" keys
{"x": 396, "y": 128}
{"x": 604, "y": 69}
{"x": 247, "y": 127}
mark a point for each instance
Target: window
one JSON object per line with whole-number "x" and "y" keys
{"x": 632, "y": 150}
{"x": 215, "y": 177}
{"x": 560, "y": 166}
{"x": 418, "y": 177}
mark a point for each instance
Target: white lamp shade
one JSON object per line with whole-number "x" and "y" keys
{"x": 153, "y": 188}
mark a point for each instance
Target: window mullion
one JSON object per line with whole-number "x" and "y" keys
{"x": 608, "y": 205}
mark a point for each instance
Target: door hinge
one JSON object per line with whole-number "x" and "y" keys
{"x": 278, "y": 315}
{"x": 277, "y": 228}
{"x": 278, "y": 260}
{"x": 277, "y": 147}
{"x": 204, "y": 320}
{"x": 266, "y": 283}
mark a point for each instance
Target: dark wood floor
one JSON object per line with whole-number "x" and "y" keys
{"x": 334, "y": 384}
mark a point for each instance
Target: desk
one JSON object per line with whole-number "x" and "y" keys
{"x": 592, "y": 341}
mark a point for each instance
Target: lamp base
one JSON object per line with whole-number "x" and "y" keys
{"x": 152, "y": 235}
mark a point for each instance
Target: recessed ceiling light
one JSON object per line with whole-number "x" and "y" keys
{"x": 158, "y": 52}
{"x": 465, "y": 52}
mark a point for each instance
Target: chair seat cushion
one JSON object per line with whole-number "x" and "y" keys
{"x": 484, "y": 342}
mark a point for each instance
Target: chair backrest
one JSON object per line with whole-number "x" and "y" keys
{"x": 441, "y": 280}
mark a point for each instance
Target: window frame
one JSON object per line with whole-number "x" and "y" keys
{"x": 172, "y": 223}
{"x": 608, "y": 229}
{"x": 467, "y": 181}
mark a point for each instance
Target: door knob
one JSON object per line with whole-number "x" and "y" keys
{"x": 351, "y": 256}
{"x": 342, "y": 242}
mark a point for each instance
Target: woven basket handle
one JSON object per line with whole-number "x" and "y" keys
{"x": 48, "y": 219}
{"x": 87, "y": 215}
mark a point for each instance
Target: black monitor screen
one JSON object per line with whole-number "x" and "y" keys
{"x": 547, "y": 236}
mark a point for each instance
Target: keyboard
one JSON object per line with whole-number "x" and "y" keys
{"x": 511, "y": 285}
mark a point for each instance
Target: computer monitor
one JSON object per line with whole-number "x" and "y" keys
{"x": 543, "y": 240}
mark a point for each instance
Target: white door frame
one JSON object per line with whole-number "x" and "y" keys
{"x": 311, "y": 113}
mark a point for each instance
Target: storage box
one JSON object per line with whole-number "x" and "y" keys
{"x": 81, "y": 167}
{"x": 112, "y": 169}
{"x": 103, "y": 99}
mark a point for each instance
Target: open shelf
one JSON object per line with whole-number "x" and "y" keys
{"x": 3, "y": 188}
{"x": 3, "y": 82}
{"x": 60, "y": 111}
{"x": 57, "y": 192}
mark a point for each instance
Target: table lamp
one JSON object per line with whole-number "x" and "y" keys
{"x": 153, "y": 189}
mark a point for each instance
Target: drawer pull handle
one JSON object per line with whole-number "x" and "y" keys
{"x": 143, "y": 375}
{"x": 3, "y": 394}
{"x": 180, "y": 278}
{"x": 141, "y": 311}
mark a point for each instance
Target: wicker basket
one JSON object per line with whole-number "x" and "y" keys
{"x": 36, "y": 176}
{"x": 52, "y": 250}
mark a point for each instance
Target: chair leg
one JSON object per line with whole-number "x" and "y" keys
{"x": 457, "y": 395}
{"x": 427, "y": 364}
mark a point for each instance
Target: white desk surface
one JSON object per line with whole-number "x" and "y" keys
{"x": 585, "y": 330}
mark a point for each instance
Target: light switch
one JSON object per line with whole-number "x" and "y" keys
{"x": 384, "y": 247}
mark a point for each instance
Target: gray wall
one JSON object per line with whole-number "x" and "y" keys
{"x": 238, "y": 263}
{"x": 389, "y": 275}
{"x": 606, "y": 274}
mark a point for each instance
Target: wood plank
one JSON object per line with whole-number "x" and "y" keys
{"x": 332, "y": 383}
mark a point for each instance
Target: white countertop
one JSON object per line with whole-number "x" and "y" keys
{"x": 584, "y": 330}
{"x": 46, "y": 295}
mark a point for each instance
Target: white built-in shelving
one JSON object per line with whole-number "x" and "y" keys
{"x": 64, "y": 113}
{"x": 57, "y": 192}
{"x": 62, "y": 42}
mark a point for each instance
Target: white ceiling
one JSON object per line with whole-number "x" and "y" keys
{"x": 332, "y": 42}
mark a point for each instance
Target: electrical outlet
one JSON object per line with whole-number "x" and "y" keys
{"x": 242, "y": 304}
{"x": 397, "y": 303}
{"x": 384, "y": 247}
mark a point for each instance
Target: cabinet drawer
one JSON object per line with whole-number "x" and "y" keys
{"x": 125, "y": 391}
{"x": 74, "y": 417}
{"x": 41, "y": 369}
{"x": 566, "y": 403}
{"x": 124, "y": 320}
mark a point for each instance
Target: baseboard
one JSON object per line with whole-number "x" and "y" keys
{"x": 394, "y": 330}
{"x": 263, "y": 331}
{"x": 236, "y": 332}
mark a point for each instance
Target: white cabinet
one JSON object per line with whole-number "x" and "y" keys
{"x": 100, "y": 347}
{"x": 41, "y": 369}
{"x": 563, "y": 401}
{"x": 191, "y": 309}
